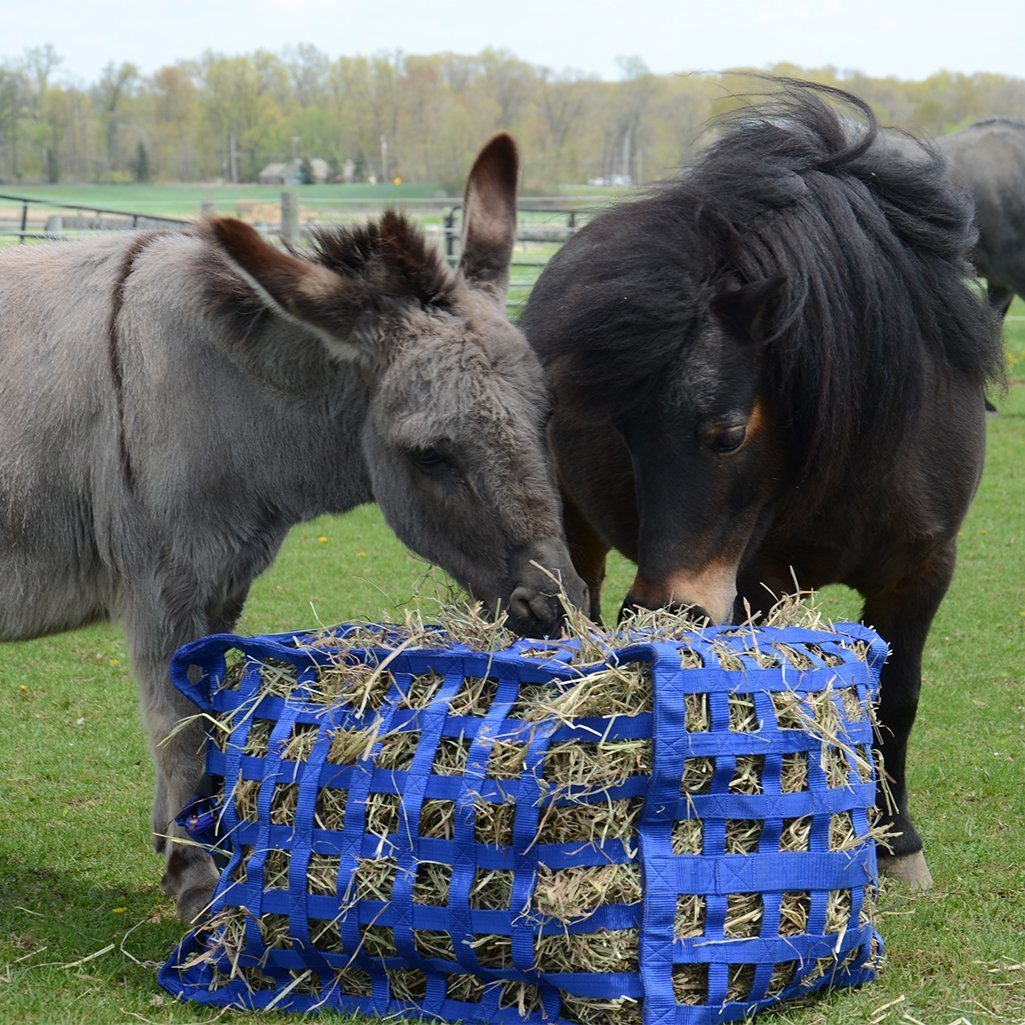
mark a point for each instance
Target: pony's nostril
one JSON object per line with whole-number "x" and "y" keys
{"x": 632, "y": 606}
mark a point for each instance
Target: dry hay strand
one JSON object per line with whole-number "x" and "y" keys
{"x": 796, "y": 835}
{"x": 420, "y": 690}
{"x": 595, "y": 1011}
{"x": 397, "y": 750}
{"x": 741, "y": 980}
{"x": 322, "y": 874}
{"x": 437, "y": 819}
{"x": 690, "y": 984}
{"x": 431, "y": 943}
{"x": 782, "y": 976}
{"x": 698, "y": 718}
{"x": 743, "y": 835}
{"x": 507, "y": 759}
{"x": 793, "y": 777}
{"x": 330, "y": 809}
{"x": 372, "y": 879}
{"x": 275, "y": 870}
{"x": 377, "y": 941}
{"x": 432, "y": 882}
{"x": 382, "y": 814}
{"x": 409, "y": 984}
{"x": 591, "y": 822}
{"x": 794, "y": 909}
{"x": 466, "y": 988}
{"x": 360, "y": 685}
{"x": 275, "y": 931}
{"x": 687, "y": 836}
{"x": 326, "y": 934}
{"x": 521, "y": 995}
{"x": 838, "y": 911}
{"x": 743, "y": 915}
{"x": 602, "y": 951}
{"x": 493, "y": 824}
{"x": 613, "y": 691}
{"x": 351, "y": 746}
{"x": 747, "y": 774}
{"x": 492, "y": 950}
{"x": 743, "y": 717}
{"x": 689, "y": 920}
{"x": 697, "y": 775}
{"x": 300, "y": 743}
{"x": 593, "y": 767}
{"x": 571, "y": 894}
{"x": 353, "y": 981}
{"x": 475, "y": 697}
{"x": 451, "y": 756}
{"x": 492, "y": 889}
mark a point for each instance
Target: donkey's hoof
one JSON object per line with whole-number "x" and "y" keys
{"x": 194, "y": 903}
{"x": 909, "y": 869}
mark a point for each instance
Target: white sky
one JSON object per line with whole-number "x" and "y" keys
{"x": 907, "y": 38}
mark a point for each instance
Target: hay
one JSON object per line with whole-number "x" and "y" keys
{"x": 578, "y": 807}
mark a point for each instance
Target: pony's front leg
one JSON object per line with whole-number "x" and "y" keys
{"x": 902, "y": 615}
{"x": 176, "y": 739}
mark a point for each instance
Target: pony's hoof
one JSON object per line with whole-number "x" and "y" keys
{"x": 194, "y": 903}
{"x": 909, "y": 869}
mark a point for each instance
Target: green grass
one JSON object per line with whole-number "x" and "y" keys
{"x": 83, "y": 924}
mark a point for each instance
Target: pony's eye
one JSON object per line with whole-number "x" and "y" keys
{"x": 728, "y": 440}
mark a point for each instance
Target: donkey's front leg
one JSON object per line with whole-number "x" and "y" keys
{"x": 902, "y": 615}
{"x": 176, "y": 739}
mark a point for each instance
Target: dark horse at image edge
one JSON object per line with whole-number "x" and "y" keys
{"x": 771, "y": 369}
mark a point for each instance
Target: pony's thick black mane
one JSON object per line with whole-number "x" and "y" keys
{"x": 871, "y": 238}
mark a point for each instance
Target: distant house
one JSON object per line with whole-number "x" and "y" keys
{"x": 291, "y": 173}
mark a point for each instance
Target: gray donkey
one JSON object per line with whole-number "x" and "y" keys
{"x": 172, "y": 403}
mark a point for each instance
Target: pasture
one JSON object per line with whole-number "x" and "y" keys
{"x": 83, "y": 924}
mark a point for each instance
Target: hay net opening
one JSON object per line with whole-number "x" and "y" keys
{"x": 679, "y": 832}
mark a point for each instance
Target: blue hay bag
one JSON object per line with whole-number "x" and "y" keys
{"x": 353, "y": 881}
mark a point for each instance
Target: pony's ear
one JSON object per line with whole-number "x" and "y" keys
{"x": 489, "y": 217}
{"x": 742, "y": 308}
{"x": 307, "y": 293}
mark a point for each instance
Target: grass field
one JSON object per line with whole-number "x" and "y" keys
{"x": 83, "y": 924}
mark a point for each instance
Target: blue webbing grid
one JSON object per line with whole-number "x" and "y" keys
{"x": 311, "y": 972}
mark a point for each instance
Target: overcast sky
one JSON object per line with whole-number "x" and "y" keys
{"x": 907, "y": 38}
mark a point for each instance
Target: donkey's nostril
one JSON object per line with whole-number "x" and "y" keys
{"x": 533, "y": 614}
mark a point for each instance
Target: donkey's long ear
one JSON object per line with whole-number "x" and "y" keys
{"x": 489, "y": 217}
{"x": 312, "y": 296}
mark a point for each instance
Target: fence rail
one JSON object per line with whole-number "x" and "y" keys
{"x": 101, "y": 219}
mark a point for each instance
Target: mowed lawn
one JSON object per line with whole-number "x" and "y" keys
{"x": 83, "y": 924}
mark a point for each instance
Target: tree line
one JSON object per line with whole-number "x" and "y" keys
{"x": 418, "y": 118}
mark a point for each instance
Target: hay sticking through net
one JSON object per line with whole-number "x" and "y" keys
{"x": 578, "y": 809}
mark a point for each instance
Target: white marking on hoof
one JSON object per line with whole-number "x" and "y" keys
{"x": 909, "y": 869}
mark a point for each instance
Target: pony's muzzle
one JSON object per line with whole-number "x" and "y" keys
{"x": 707, "y": 594}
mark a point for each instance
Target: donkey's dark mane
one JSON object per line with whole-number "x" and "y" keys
{"x": 872, "y": 241}
{"x": 391, "y": 247}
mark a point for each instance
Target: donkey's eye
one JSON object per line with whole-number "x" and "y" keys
{"x": 430, "y": 459}
{"x": 728, "y": 440}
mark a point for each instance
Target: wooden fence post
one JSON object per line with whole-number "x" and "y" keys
{"x": 290, "y": 217}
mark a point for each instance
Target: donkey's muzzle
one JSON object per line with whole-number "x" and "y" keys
{"x": 545, "y": 585}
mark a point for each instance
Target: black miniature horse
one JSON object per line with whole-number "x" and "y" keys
{"x": 770, "y": 370}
